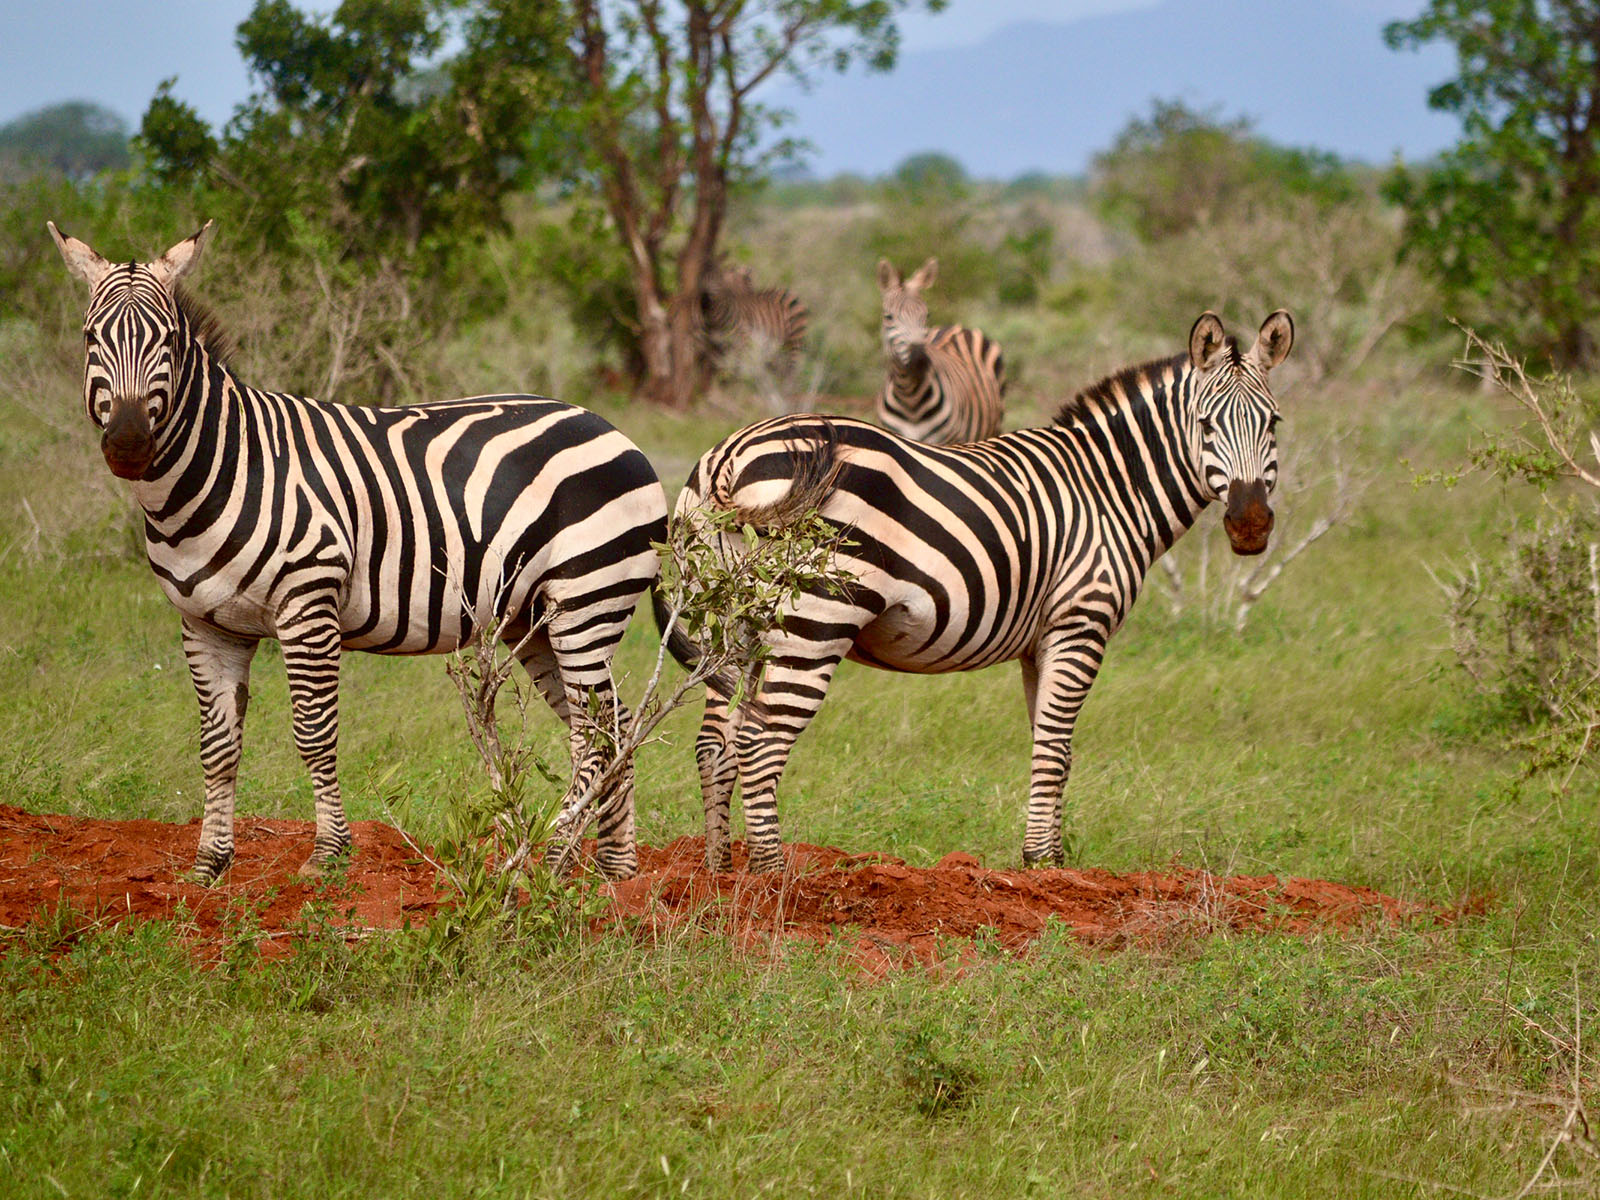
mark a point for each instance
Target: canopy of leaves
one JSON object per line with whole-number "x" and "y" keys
{"x": 360, "y": 129}
{"x": 1180, "y": 168}
{"x": 76, "y": 139}
{"x": 1509, "y": 220}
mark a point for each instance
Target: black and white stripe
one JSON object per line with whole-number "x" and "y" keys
{"x": 735, "y": 313}
{"x": 945, "y": 385}
{"x": 398, "y": 531}
{"x": 1029, "y": 546}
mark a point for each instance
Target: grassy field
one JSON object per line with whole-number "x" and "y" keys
{"x": 1333, "y": 738}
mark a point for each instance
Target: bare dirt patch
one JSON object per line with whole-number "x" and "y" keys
{"x": 892, "y": 914}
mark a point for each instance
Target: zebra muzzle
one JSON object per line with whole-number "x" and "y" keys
{"x": 1249, "y": 518}
{"x": 127, "y": 443}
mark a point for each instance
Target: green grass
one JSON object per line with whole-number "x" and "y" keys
{"x": 1332, "y": 739}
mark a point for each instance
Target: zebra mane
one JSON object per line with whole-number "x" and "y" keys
{"x": 1117, "y": 389}
{"x": 204, "y": 325}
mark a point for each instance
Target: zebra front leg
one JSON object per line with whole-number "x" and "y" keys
{"x": 311, "y": 651}
{"x": 219, "y": 665}
{"x": 791, "y": 692}
{"x": 1057, "y": 681}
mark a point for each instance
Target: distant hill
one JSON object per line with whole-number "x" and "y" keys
{"x": 76, "y": 139}
{"x": 1047, "y": 96}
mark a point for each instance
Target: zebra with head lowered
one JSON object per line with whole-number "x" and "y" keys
{"x": 734, "y": 312}
{"x": 1029, "y": 546}
{"x": 397, "y": 530}
{"x": 945, "y": 385}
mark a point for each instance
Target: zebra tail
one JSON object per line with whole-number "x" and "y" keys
{"x": 679, "y": 644}
{"x": 814, "y": 472}
{"x": 816, "y": 468}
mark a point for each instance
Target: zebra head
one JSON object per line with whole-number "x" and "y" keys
{"x": 130, "y": 341}
{"x": 1236, "y": 420}
{"x": 905, "y": 313}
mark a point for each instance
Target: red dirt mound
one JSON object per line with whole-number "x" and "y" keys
{"x": 113, "y": 870}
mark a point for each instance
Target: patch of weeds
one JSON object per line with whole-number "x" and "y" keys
{"x": 937, "y": 1082}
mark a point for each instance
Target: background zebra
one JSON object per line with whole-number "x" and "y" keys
{"x": 770, "y": 322}
{"x": 1029, "y": 546}
{"x": 945, "y": 385}
{"x": 396, "y": 530}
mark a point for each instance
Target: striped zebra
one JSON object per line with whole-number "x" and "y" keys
{"x": 397, "y": 530}
{"x": 734, "y": 313}
{"x": 945, "y": 385}
{"x": 1029, "y": 546}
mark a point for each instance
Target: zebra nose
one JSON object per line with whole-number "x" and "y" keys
{"x": 1249, "y": 518}
{"x": 127, "y": 442}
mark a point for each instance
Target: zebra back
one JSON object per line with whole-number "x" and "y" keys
{"x": 735, "y": 313}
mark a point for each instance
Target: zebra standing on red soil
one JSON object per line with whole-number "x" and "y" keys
{"x": 396, "y": 530}
{"x": 945, "y": 385}
{"x": 1031, "y": 546}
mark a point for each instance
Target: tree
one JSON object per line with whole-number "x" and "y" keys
{"x": 668, "y": 126}
{"x": 357, "y": 130}
{"x": 1510, "y": 218}
{"x": 1181, "y": 167}
{"x": 77, "y": 139}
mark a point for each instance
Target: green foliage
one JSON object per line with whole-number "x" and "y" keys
{"x": 361, "y": 129}
{"x": 177, "y": 143}
{"x": 938, "y": 1082}
{"x": 1509, "y": 219}
{"x": 1523, "y": 626}
{"x": 930, "y": 178}
{"x": 77, "y": 139}
{"x": 1180, "y": 168}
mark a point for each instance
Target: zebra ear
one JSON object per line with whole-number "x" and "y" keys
{"x": 1207, "y": 340}
{"x": 1273, "y": 342}
{"x": 81, "y": 260}
{"x": 182, "y": 258}
{"x": 888, "y": 277}
{"x": 926, "y": 274}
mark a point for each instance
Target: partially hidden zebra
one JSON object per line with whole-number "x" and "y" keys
{"x": 735, "y": 314}
{"x": 330, "y": 528}
{"x": 1029, "y": 546}
{"x": 945, "y": 385}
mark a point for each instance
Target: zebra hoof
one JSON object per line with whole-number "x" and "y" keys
{"x": 1042, "y": 862}
{"x": 325, "y": 866}
{"x": 209, "y": 867}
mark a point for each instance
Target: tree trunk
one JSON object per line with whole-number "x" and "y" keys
{"x": 674, "y": 372}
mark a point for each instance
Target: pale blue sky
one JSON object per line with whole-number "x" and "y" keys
{"x": 117, "y": 51}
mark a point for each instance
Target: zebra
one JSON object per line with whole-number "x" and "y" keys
{"x": 944, "y": 385}
{"x": 330, "y": 528}
{"x": 1029, "y": 546}
{"x": 771, "y": 320}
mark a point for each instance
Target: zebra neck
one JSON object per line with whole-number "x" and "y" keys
{"x": 909, "y": 383}
{"x": 201, "y": 447}
{"x": 1145, "y": 443}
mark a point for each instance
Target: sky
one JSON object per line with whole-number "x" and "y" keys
{"x": 116, "y": 52}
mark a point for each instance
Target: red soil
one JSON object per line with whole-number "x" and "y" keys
{"x": 110, "y": 871}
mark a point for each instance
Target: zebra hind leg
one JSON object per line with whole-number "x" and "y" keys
{"x": 219, "y": 666}
{"x": 574, "y": 675}
{"x": 791, "y": 692}
{"x": 311, "y": 651}
{"x": 718, "y": 760}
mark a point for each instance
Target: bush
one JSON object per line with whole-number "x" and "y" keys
{"x": 1524, "y": 626}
